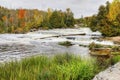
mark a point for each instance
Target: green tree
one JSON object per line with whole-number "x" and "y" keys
{"x": 69, "y": 18}
{"x": 55, "y": 20}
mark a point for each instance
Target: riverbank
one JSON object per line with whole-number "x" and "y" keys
{"x": 59, "y": 67}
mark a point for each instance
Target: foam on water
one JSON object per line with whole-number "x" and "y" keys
{"x": 17, "y": 46}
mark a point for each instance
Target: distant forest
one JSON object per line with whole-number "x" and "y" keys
{"x": 23, "y": 20}
{"x": 107, "y": 20}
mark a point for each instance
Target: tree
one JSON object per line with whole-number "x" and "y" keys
{"x": 55, "y": 20}
{"x": 114, "y": 10}
{"x": 21, "y": 13}
{"x": 23, "y": 20}
{"x": 69, "y": 19}
{"x": 107, "y": 20}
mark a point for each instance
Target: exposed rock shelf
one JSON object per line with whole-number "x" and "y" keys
{"x": 112, "y": 73}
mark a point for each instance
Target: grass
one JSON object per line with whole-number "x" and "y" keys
{"x": 115, "y": 59}
{"x": 115, "y": 48}
{"x": 66, "y": 43}
{"x": 59, "y": 67}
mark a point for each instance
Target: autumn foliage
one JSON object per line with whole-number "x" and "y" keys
{"x": 21, "y": 13}
{"x": 4, "y": 18}
{"x": 23, "y": 20}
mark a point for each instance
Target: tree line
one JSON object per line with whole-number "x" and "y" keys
{"x": 23, "y": 20}
{"x": 107, "y": 20}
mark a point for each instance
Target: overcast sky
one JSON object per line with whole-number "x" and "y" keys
{"x": 78, "y": 7}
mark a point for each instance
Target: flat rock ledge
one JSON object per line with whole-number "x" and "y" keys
{"x": 112, "y": 73}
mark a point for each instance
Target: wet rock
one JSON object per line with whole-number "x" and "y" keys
{"x": 112, "y": 73}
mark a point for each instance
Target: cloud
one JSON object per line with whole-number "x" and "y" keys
{"x": 79, "y": 7}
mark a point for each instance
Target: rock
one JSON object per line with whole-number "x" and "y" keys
{"x": 33, "y": 30}
{"x": 112, "y": 73}
{"x": 101, "y": 52}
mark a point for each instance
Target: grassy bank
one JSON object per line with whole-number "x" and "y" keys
{"x": 60, "y": 67}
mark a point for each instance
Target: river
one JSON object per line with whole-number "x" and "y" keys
{"x": 45, "y": 42}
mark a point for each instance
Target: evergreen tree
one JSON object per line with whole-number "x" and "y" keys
{"x": 69, "y": 19}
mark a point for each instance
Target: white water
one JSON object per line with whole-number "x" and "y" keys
{"x": 18, "y": 46}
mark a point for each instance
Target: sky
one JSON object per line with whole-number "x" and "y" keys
{"x": 78, "y": 7}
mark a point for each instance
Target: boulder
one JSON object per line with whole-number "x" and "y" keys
{"x": 112, "y": 73}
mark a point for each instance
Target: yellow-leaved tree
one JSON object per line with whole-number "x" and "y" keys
{"x": 114, "y": 10}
